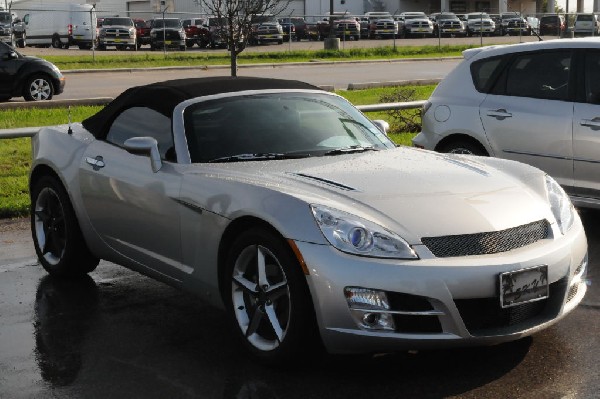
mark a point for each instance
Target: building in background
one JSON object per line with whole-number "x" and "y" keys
{"x": 312, "y": 9}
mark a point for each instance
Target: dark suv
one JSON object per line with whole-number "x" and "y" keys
{"x": 167, "y": 33}
{"x": 33, "y": 78}
{"x": 553, "y": 25}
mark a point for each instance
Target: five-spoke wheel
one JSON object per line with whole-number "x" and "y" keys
{"x": 269, "y": 299}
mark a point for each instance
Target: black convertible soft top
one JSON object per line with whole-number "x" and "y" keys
{"x": 163, "y": 97}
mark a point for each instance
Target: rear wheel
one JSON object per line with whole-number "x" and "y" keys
{"x": 462, "y": 146}
{"x": 56, "y": 43}
{"x": 268, "y": 299}
{"x": 56, "y": 234}
{"x": 38, "y": 88}
{"x": 22, "y": 42}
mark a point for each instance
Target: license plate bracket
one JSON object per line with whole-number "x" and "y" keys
{"x": 523, "y": 286}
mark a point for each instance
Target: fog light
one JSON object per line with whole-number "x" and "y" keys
{"x": 368, "y": 308}
{"x": 363, "y": 298}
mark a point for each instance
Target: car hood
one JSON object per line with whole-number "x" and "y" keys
{"x": 415, "y": 193}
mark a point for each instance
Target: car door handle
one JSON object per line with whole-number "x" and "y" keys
{"x": 499, "y": 114}
{"x": 97, "y": 163}
{"x": 591, "y": 122}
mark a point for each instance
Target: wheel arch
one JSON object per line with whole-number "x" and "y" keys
{"x": 456, "y": 137}
{"x": 22, "y": 85}
{"x": 232, "y": 231}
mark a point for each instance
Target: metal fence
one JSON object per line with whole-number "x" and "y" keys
{"x": 31, "y": 131}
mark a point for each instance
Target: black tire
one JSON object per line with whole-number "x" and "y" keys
{"x": 22, "y": 42}
{"x": 38, "y": 88}
{"x": 468, "y": 147}
{"x": 56, "y": 43}
{"x": 56, "y": 234}
{"x": 3, "y": 99}
{"x": 182, "y": 48}
{"x": 274, "y": 304}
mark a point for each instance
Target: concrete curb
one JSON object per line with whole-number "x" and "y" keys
{"x": 260, "y": 65}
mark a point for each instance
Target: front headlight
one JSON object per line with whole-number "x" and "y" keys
{"x": 354, "y": 235}
{"x": 560, "y": 204}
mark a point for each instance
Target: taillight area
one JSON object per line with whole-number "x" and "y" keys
{"x": 70, "y": 29}
{"x": 425, "y": 108}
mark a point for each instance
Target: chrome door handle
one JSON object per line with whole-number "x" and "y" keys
{"x": 97, "y": 163}
{"x": 591, "y": 122}
{"x": 499, "y": 114}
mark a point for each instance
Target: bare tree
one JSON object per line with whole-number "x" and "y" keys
{"x": 235, "y": 21}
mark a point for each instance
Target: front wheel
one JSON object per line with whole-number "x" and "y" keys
{"x": 56, "y": 235}
{"x": 268, "y": 299}
{"x": 38, "y": 88}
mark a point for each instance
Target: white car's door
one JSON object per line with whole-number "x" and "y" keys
{"x": 530, "y": 119}
{"x": 586, "y": 132}
{"x": 132, "y": 208}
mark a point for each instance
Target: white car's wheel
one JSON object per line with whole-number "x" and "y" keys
{"x": 269, "y": 298}
{"x": 56, "y": 235}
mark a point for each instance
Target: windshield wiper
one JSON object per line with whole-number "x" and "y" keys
{"x": 350, "y": 149}
{"x": 261, "y": 157}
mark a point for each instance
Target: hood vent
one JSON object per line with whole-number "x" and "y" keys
{"x": 325, "y": 181}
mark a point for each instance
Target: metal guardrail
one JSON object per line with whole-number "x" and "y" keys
{"x": 31, "y": 131}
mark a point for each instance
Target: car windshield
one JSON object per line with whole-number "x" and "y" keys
{"x": 478, "y": 16}
{"x": 217, "y": 22}
{"x": 168, "y": 23}
{"x": 117, "y": 21}
{"x": 281, "y": 125}
{"x": 446, "y": 16}
{"x": 259, "y": 19}
{"x": 585, "y": 18}
{"x": 5, "y": 18}
{"x": 415, "y": 16}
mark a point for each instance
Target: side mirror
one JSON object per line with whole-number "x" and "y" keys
{"x": 10, "y": 56}
{"x": 145, "y": 146}
{"x": 382, "y": 125}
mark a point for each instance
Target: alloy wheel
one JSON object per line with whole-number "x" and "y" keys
{"x": 261, "y": 297}
{"x": 50, "y": 226}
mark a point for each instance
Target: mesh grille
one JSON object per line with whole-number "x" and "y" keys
{"x": 572, "y": 292}
{"x": 487, "y": 243}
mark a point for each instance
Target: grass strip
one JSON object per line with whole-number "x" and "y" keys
{"x": 100, "y": 61}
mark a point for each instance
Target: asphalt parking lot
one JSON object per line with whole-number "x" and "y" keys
{"x": 118, "y": 334}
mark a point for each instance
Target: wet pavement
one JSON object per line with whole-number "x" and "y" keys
{"x": 116, "y": 334}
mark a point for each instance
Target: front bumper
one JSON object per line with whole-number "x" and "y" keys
{"x": 427, "y": 31}
{"x": 273, "y": 37}
{"x": 461, "y": 292}
{"x": 169, "y": 43}
{"x": 109, "y": 41}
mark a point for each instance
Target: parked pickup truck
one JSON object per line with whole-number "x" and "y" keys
{"x": 12, "y": 29}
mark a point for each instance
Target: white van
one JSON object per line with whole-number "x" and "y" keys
{"x": 60, "y": 25}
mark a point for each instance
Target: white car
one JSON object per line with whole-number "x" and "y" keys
{"x": 537, "y": 103}
{"x": 286, "y": 206}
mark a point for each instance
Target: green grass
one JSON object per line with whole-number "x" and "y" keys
{"x": 100, "y": 61}
{"x": 15, "y": 154}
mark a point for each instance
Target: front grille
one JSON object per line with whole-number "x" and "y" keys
{"x": 485, "y": 316}
{"x": 450, "y": 24}
{"x": 168, "y": 35}
{"x": 489, "y": 242}
{"x": 385, "y": 25}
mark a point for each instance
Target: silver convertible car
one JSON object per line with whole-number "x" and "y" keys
{"x": 285, "y": 205}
